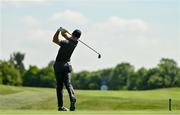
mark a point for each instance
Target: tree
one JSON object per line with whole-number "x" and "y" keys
{"x": 17, "y": 59}
{"x": 131, "y": 82}
{"x": 177, "y": 79}
{"x": 47, "y": 77}
{"x": 0, "y": 77}
{"x": 105, "y": 75}
{"x": 9, "y": 74}
{"x": 81, "y": 80}
{"x": 155, "y": 81}
{"x": 141, "y": 79}
{"x": 169, "y": 71}
{"x": 31, "y": 77}
{"x": 120, "y": 75}
{"x": 94, "y": 81}
{"x": 51, "y": 64}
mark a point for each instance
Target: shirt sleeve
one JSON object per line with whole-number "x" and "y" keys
{"x": 63, "y": 42}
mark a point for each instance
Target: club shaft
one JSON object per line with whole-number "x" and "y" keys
{"x": 88, "y": 46}
{"x": 85, "y": 44}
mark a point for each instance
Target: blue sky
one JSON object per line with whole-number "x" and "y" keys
{"x": 137, "y": 31}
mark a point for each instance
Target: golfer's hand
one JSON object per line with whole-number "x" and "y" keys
{"x": 62, "y": 30}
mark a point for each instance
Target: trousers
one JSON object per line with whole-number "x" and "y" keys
{"x": 63, "y": 77}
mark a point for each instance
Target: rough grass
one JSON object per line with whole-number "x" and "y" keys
{"x": 35, "y": 99}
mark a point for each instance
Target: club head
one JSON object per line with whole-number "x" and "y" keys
{"x": 99, "y": 56}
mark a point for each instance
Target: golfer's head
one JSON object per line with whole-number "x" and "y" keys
{"x": 76, "y": 34}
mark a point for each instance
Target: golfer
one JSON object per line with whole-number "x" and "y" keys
{"x": 62, "y": 67}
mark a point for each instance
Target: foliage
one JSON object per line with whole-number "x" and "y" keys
{"x": 121, "y": 77}
{"x": 9, "y": 75}
{"x": 17, "y": 59}
{"x": 39, "y": 77}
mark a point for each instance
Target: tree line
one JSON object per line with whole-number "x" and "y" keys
{"x": 121, "y": 77}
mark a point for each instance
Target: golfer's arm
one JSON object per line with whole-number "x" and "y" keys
{"x": 56, "y": 38}
{"x": 65, "y": 35}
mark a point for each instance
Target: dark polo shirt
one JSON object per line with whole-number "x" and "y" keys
{"x": 65, "y": 51}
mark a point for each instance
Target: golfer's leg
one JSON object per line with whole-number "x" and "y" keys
{"x": 68, "y": 85}
{"x": 59, "y": 89}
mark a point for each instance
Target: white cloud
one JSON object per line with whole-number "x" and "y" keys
{"x": 69, "y": 16}
{"x": 123, "y": 25}
{"x": 39, "y": 35}
{"x": 115, "y": 38}
{"x": 118, "y": 41}
{"x": 34, "y": 29}
{"x": 31, "y": 21}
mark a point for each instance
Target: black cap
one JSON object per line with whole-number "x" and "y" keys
{"x": 76, "y": 33}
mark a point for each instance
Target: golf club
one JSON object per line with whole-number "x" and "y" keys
{"x": 99, "y": 55}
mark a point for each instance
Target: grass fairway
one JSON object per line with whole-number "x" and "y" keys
{"x": 50, "y": 112}
{"x": 35, "y": 101}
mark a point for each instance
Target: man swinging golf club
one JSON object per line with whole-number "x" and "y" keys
{"x": 62, "y": 67}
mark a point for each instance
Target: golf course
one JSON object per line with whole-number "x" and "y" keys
{"x": 90, "y": 57}
{"x": 27, "y": 101}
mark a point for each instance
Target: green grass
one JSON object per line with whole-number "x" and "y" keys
{"x": 25, "y": 100}
{"x": 50, "y": 112}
